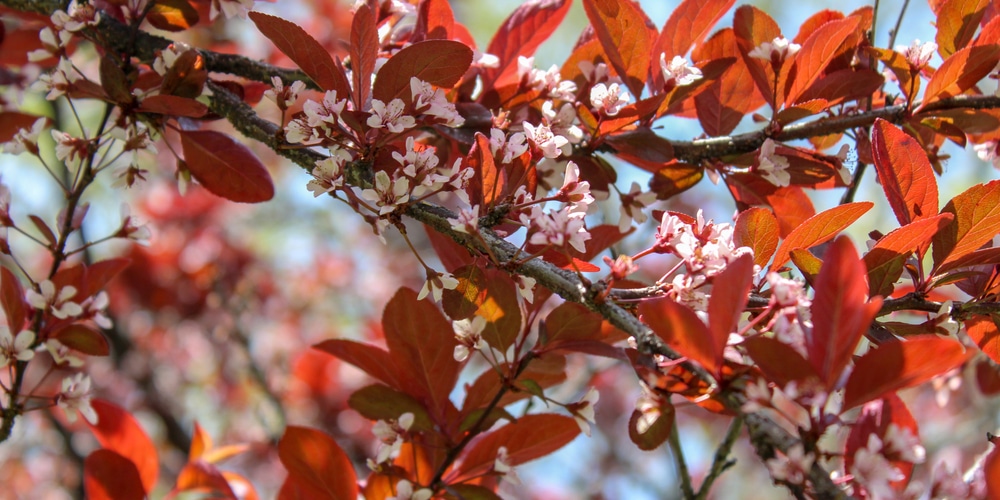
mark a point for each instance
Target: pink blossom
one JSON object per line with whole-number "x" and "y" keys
{"x": 61, "y": 354}
{"x": 550, "y": 144}
{"x": 432, "y": 102}
{"x": 556, "y": 228}
{"x": 794, "y": 467}
{"x": 632, "y": 204}
{"x": 467, "y": 220}
{"x": 561, "y": 122}
{"x": 678, "y": 71}
{"x": 326, "y": 113}
{"x": 574, "y": 190}
{"x": 387, "y": 194}
{"x": 328, "y": 174}
{"x": 52, "y": 44}
{"x": 230, "y": 8}
{"x": 549, "y": 82}
{"x": 15, "y": 347}
{"x": 46, "y": 297}
{"x": 132, "y": 230}
{"x": 284, "y": 96}
{"x": 390, "y": 433}
{"x": 469, "y": 334}
{"x": 26, "y": 140}
{"x": 583, "y": 411}
{"x": 609, "y": 99}
{"x": 76, "y": 17}
{"x": 987, "y": 151}
{"x": 404, "y": 491}
{"x": 775, "y": 51}
{"x": 436, "y": 284}
{"x": 773, "y": 168}
{"x": 75, "y": 398}
{"x": 507, "y": 148}
{"x": 390, "y": 116}
{"x": 873, "y": 471}
{"x": 502, "y": 466}
{"x": 918, "y": 54}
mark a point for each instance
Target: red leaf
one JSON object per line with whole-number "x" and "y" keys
{"x": 727, "y": 302}
{"x": 961, "y": 72}
{"x": 225, "y": 167}
{"x": 372, "y": 360}
{"x": 792, "y": 206}
{"x": 757, "y": 228}
{"x": 315, "y": 461}
{"x": 364, "y": 50}
{"x": 98, "y": 275}
{"x": 905, "y": 173}
{"x": 528, "y": 438}
{"x": 82, "y": 338}
{"x": 118, "y": 431}
{"x": 898, "y": 365}
{"x": 956, "y": 23}
{"x": 11, "y": 122}
{"x": 643, "y": 148}
{"x": 688, "y": 25}
{"x": 451, "y": 254}
{"x": 658, "y": 431}
{"x": 305, "y": 51}
{"x": 12, "y": 298}
{"x": 520, "y": 35}
{"x": 819, "y": 228}
{"x": 172, "y": 105}
{"x": 841, "y": 312}
{"x": 435, "y": 21}
{"x": 682, "y": 330}
{"x": 627, "y": 36}
{"x": 779, "y": 362}
{"x": 725, "y": 101}
{"x": 110, "y": 476}
{"x": 875, "y": 418}
{"x": 438, "y": 62}
{"x": 991, "y": 470}
{"x": 421, "y": 345}
{"x": 977, "y": 220}
{"x": 885, "y": 260}
{"x": 816, "y": 53}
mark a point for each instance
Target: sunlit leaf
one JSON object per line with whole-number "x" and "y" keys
{"x": 841, "y": 311}
{"x": 118, "y": 431}
{"x": 904, "y": 172}
{"x": 977, "y": 220}
{"x": 627, "y": 36}
{"x": 779, "y": 362}
{"x": 757, "y": 228}
{"x": 885, "y": 260}
{"x": 656, "y": 432}
{"x": 110, "y": 476}
{"x": 172, "y": 15}
{"x": 725, "y": 101}
{"x": 961, "y": 72}
{"x": 956, "y": 23}
{"x": 683, "y": 330}
{"x": 898, "y": 365}
{"x": 317, "y": 462}
{"x": 816, "y": 53}
{"x": 520, "y": 34}
{"x": 528, "y": 438}
{"x": 726, "y": 304}
{"x": 819, "y": 228}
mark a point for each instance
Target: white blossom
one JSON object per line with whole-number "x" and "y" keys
{"x": 918, "y": 54}
{"x": 775, "y": 51}
{"x": 609, "y": 99}
{"x": 390, "y": 116}
{"x": 75, "y": 398}
{"x": 772, "y": 167}
{"x": 15, "y": 347}
{"x": 679, "y": 70}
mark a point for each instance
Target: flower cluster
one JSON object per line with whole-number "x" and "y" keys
{"x": 775, "y": 51}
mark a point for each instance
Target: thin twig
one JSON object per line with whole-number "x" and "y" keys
{"x": 721, "y": 461}
{"x": 682, "y": 469}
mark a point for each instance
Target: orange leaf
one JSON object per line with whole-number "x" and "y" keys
{"x": 438, "y": 62}
{"x": 201, "y": 443}
{"x": 983, "y": 331}
{"x": 753, "y": 27}
{"x": 225, "y": 167}
{"x": 435, "y": 21}
{"x": 885, "y": 260}
{"x": 520, "y": 35}
{"x": 687, "y": 26}
{"x": 684, "y": 331}
{"x": 305, "y": 51}
{"x": 898, "y": 365}
{"x": 816, "y": 53}
{"x": 110, "y": 476}
{"x": 757, "y": 228}
{"x": 421, "y": 345}
{"x": 905, "y": 173}
{"x": 316, "y": 462}
{"x": 627, "y": 36}
{"x": 977, "y": 220}
{"x": 819, "y": 228}
{"x": 118, "y": 431}
{"x": 725, "y": 101}
{"x": 204, "y": 478}
{"x": 528, "y": 438}
{"x": 961, "y": 72}
{"x": 957, "y": 22}
{"x": 172, "y": 15}
{"x": 841, "y": 311}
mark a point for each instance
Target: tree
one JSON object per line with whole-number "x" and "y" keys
{"x": 773, "y": 327}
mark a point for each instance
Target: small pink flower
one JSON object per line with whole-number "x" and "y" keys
{"x": 609, "y": 99}
{"x": 678, "y": 71}
{"x": 469, "y": 334}
{"x": 502, "y": 466}
{"x": 387, "y": 194}
{"x": 15, "y": 347}
{"x": 583, "y": 412}
{"x": 632, "y": 204}
{"x": 436, "y": 284}
{"x": 506, "y": 149}
{"x": 390, "y": 116}
{"x": 918, "y": 54}
{"x": 60, "y": 304}
{"x": 284, "y": 96}
{"x": 328, "y": 174}
{"x": 467, "y": 221}
{"x": 76, "y": 17}
{"x": 75, "y": 398}
{"x": 773, "y": 167}
{"x": 550, "y": 144}
{"x": 793, "y": 467}
{"x": 574, "y": 190}
{"x": 775, "y": 51}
